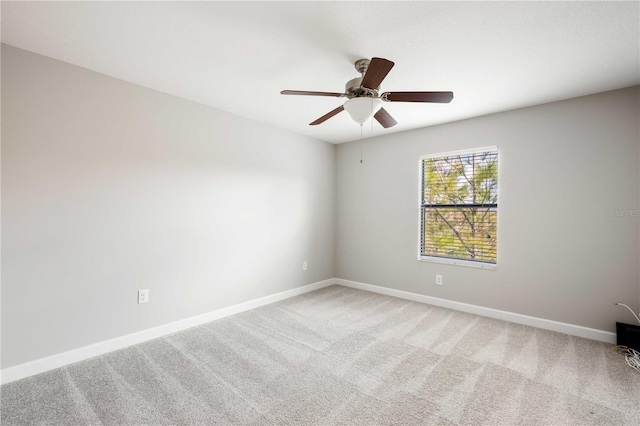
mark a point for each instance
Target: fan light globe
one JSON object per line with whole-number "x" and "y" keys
{"x": 362, "y": 109}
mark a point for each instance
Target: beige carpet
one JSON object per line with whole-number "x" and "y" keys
{"x": 340, "y": 356}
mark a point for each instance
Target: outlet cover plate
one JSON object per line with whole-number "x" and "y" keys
{"x": 143, "y": 296}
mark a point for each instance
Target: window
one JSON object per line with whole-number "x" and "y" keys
{"x": 459, "y": 207}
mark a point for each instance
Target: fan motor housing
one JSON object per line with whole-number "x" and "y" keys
{"x": 353, "y": 86}
{"x": 354, "y": 89}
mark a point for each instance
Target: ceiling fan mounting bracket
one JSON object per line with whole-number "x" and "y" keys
{"x": 362, "y": 65}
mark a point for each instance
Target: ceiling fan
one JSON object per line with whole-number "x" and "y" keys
{"x": 364, "y": 99}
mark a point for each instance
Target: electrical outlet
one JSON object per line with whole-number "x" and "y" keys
{"x": 304, "y": 266}
{"x": 143, "y": 296}
{"x": 439, "y": 279}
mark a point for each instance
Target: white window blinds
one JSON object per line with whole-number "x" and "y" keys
{"x": 459, "y": 211}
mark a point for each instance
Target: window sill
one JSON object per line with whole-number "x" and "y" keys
{"x": 457, "y": 262}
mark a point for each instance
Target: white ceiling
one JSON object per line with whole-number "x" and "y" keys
{"x": 238, "y": 56}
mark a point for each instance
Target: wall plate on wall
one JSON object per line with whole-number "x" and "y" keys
{"x": 143, "y": 296}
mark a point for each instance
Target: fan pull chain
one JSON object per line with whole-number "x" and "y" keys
{"x": 361, "y": 127}
{"x": 360, "y": 143}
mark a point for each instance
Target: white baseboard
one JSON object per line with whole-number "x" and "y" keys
{"x": 41, "y": 365}
{"x": 38, "y": 366}
{"x": 561, "y": 327}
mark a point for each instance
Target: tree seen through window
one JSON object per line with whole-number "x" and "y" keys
{"x": 460, "y": 206}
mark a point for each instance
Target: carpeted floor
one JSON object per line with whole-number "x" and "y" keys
{"x": 339, "y": 356}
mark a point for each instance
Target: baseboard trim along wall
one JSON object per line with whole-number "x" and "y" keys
{"x": 41, "y": 365}
{"x": 561, "y": 327}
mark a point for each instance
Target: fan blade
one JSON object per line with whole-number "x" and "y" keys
{"x": 385, "y": 119}
{"x": 377, "y": 71}
{"x": 438, "y": 97}
{"x": 327, "y": 116}
{"x": 303, "y": 92}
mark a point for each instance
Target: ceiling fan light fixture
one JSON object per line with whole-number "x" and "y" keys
{"x": 363, "y": 108}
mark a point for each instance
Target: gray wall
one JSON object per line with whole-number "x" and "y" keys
{"x": 560, "y": 257}
{"x": 108, "y": 187}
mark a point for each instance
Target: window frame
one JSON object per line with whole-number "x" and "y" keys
{"x": 448, "y": 260}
